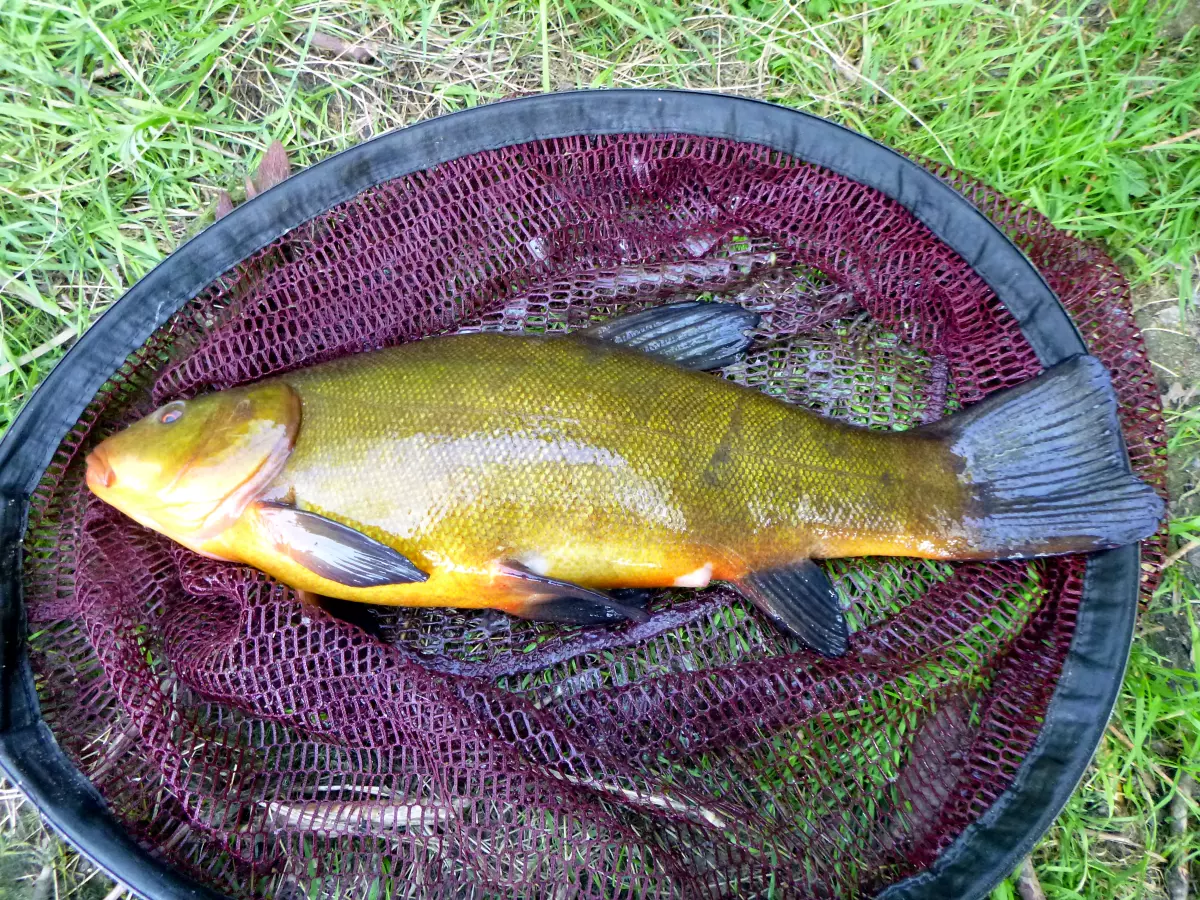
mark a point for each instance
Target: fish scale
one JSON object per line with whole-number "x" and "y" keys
{"x": 614, "y": 467}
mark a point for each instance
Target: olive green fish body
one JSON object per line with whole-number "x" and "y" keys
{"x": 596, "y": 465}
{"x": 526, "y": 473}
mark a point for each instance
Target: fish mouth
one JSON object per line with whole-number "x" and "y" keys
{"x": 99, "y": 472}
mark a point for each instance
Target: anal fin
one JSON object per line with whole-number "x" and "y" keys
{"x": 545, "y": 599}
{"x": 800, "y": 601}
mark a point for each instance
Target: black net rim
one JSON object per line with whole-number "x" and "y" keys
{"x": 1092, "y": 673}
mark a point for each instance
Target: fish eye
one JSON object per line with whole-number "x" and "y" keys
{"x": 172, "y": 413}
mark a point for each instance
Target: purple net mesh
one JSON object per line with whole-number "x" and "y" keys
{"x": 270, "y": 749}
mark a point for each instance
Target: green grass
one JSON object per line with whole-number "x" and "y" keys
{"x": 120, "y": 121}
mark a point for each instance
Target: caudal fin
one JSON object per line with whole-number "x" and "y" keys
{"x": 1046, "y": 468}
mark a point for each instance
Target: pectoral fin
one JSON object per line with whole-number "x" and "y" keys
{"x": 693, "y": 334}
{"x": 546, "y": 599}
{"x": 335, "y": 551}
{"x": 801, "y": 602}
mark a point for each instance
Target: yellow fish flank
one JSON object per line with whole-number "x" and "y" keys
{"x": 534, "y": 473}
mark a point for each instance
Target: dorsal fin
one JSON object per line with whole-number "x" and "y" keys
{"x": 693, "y": 334}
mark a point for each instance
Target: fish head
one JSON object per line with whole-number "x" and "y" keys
{"x": 191, "y": 467}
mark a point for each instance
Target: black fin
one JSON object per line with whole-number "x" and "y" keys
{"x": 360, "y": 615}
{"x": 693, "y": 334}
{"x": 801, "y": 602}
{"x": 335, "y": 551}
{"x": 639, "y": 597}
{"x": 1047, "y": 468}
{"x": 552, "y": 600}
{"x": 577, "y": 610}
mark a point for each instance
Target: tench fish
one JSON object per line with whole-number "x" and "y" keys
{"x": 538, "y": 474}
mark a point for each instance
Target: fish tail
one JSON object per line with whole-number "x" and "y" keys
{"x": 1045, "y": 468}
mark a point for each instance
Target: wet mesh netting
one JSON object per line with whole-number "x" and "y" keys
{"x": 271, "y": 749}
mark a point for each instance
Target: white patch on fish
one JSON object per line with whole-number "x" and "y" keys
{"x": 926, "y": 547}
{"x": 535, "y": 563}
{"x": 697, "y": 579}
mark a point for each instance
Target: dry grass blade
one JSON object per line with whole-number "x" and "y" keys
{"x": 354, "y": 816}
{"x": 40, "y": 350}
{"x": 1179, "y": 554}
{"x": 1154, "y": 767}
{"x": 693, "y": 811}
{"x": 274, "y": 169}
{"x": 224, "y": 205}
{"x": 337, "y": 47}
{"x": 1028, "y": 885}
{"x": 1177, "y": 873}
{"x": 1186, "y": 136}
{"x": 43, "y": 885}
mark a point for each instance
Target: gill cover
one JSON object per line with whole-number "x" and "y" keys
{"x": 189, "y": 468}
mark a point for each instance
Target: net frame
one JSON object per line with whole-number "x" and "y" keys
{"x": 1090, "y": 679}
